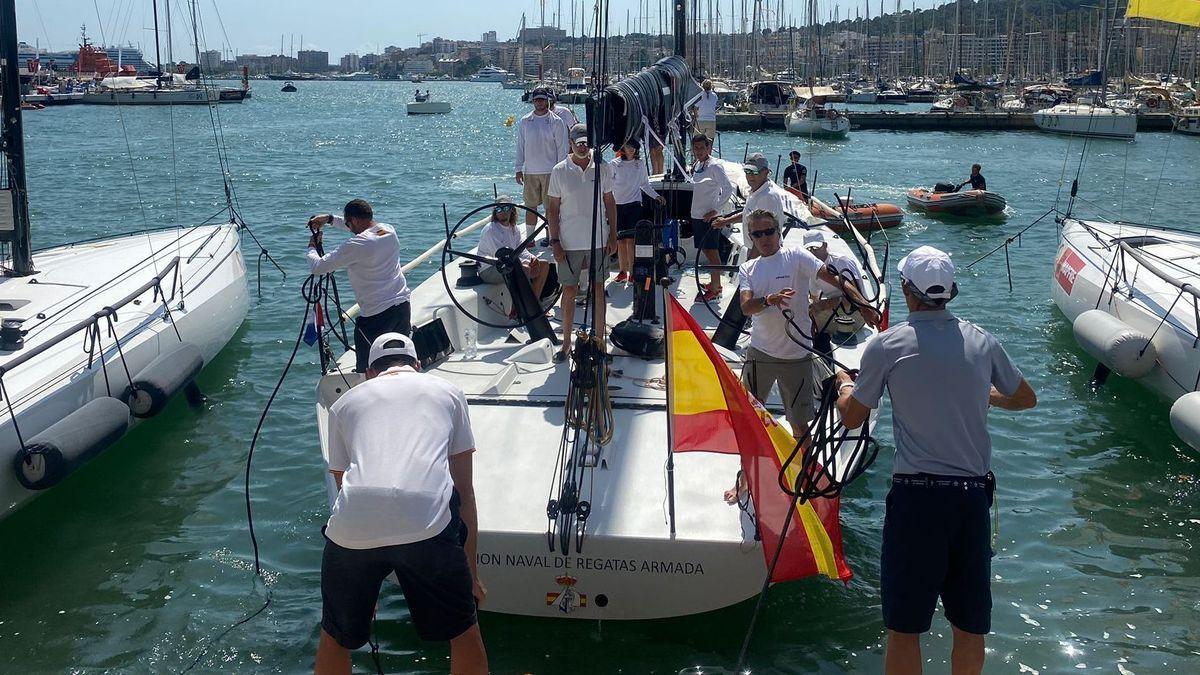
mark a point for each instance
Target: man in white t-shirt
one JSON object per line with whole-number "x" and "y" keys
{"x": 778, "y": 279}
{"x": 831, "y": 313}
{"x": 706, "y": 111}
{"x": 581, "y": 244}
{"x": 405, "y": 497}
{"x": 371, "y": 259}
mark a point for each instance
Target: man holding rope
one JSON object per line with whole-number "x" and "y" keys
{"x": 371, "y": 259}
{"x": 943, "y": 374}
{"x": 779, "y": 279}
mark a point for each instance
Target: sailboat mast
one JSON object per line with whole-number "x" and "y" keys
{"x": 681, "y": 29}
{"x": 15, "y": 232}
{"x": 157, "y": 51}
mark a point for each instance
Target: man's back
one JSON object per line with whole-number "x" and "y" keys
{"x": 393, "y": 435}
{"x": 939, "y": 371}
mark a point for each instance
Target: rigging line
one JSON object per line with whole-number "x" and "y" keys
{"x": 1009, "y": 240}
{"x": 132, "y": 166}
{"x": 214, "y": 116}
{"x": 1162, "y": 170}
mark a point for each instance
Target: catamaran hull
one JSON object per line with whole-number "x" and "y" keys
{"x": 57, "y": 383}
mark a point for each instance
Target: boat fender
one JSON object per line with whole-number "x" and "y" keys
{"x": 1185, "y": 418}
{"x": 169, "y": 373}
{"x": 52, "y": 455}
{"x": 1114, "y": 343}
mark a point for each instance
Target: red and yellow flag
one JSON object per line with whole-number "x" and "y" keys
{"x": 712, "y": 412}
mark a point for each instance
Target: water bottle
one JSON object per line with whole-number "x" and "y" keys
{"x": 470, "y": 346}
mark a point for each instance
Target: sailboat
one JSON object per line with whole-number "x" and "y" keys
{"x": 1130, "y": 290}
{"x": 584, "y": 511}
{"x": 1092, "y": 120}
{"x": 150, "y": 310}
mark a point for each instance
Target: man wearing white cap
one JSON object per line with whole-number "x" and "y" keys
{"x": 942, "y": 374}
{"x": 583, "y": 234}
{"x": 405, "y": 505}
{"x": 541, "y": 143}
{"x": 777, "y": 279}
{"x": 831, "y": 313}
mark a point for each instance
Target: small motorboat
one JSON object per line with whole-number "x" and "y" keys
{"x": 1188, "y": 121}
{"x": 864, "y": 217}
{"x": 946, "y": 198}
{"x": 423, "y": 105}
{"x": 288, "y": 87}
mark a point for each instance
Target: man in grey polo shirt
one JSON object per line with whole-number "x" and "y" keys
{"x": 943, "y": 374}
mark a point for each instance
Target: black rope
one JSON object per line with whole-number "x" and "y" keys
{"x": 1009, "y": 240}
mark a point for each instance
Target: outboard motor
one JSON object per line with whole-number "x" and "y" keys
{"x": 945, "y": 187}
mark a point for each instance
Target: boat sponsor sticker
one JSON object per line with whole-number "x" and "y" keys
{"x": 1067, "y": 268}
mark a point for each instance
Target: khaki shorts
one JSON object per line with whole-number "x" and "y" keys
{"x": 707, "y": 127}
{"x": 536, "y": 185}
{"x": 574, "y": 269}
{"x": 799, "y": 383}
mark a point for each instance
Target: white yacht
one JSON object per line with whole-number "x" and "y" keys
{"x": 1081, "y": 119}
{"x": 139, "y": 91}
{"x": 491, "y": 74}
{"x": 1188, "y": 121}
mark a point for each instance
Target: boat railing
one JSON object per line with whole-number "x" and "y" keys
{"x": 108, "y": 312}
{"x": 432, "y": 251}
{"x": 1147, "y": 261}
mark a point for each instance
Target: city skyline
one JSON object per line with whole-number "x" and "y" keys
{"x": 366, "y": 26}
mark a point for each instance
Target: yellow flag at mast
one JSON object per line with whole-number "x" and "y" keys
{"x": 1186, "y": 12}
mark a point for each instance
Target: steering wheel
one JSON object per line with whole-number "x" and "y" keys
{"x": 505, "y": 260}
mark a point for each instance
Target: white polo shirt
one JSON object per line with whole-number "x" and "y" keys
{"x": 541, "y": 142}
{"x": 793, "y": 268}
{"x": 630, "y": 180}
{"x": 372, "y": 261}
{"x": 780, "y": 202}
{"x": 393, "y": 436}
{"x": 497, "y": 235}
{"x": 711, "y": 187}
{"x": 707, "y": 107}
{"x": 576, "y": 188}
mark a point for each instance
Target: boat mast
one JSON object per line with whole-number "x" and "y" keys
{"x": 157, "y": 52}
{"x": 15, "y": 232}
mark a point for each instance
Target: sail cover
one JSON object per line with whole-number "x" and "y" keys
{"x": 1185, "y": 12}
{"x": 658, "y": 95}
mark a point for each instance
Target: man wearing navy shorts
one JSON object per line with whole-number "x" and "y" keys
{"x": 405, "y": 505}
{"x": 942, "y": 374}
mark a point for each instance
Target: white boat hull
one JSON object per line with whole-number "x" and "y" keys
{"x": 1084, "y": 120}
{"x": 60, "y": 380}
{"x": 804, "y": 125}
{"x": 1084, "y": 280}
{"x": 631, "y": 565}
{"x": 199, "y": 96}
{"x": 428, "y": 108}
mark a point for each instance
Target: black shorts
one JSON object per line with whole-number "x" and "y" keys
{"x": 433, "y": 574}
{"x": 394, "y": 319}
{"x": 628, "y": 216}
{"x": 937, "y": 543}
{"x": 706, "y": 236}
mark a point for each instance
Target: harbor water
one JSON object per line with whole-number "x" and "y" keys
{"x": 136, "y": 563}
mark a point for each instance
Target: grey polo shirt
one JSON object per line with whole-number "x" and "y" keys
{"x": 938, "y": 370}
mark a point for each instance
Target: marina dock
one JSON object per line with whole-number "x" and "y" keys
{"x": 922, "y": 121}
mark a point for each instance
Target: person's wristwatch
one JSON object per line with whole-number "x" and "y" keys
{"x": 766, "y": 302}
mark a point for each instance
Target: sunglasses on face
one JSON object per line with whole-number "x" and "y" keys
{"x": 769, "y": 232}
{"x": 753, "y": 172}
{"x": 505, "y": 209}
{"x": 581, "y": 141}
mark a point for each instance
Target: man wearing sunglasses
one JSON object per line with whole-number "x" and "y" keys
{"x": 503, "y": 232}
{"x": 582, "y": 234}
{"x": 765, "y": 194}
{"x": 779, "y": 279}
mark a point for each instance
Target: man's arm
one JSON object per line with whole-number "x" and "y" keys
{"x": 610, "y": 214}
{"x": 1023, "y": 399}
{"x": 852, "y": 411}
{"x": 850, "y": 290}
{"x": 461, "y": 475}
{"x": 553, "y": 220}
{"x": 337, "y": 478}
{"x": 752, "y": 305}
{"x": 519, "y": 165}
{"x": 340, "y": 257}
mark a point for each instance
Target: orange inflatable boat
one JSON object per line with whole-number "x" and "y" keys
{"x": 863, "y": 216}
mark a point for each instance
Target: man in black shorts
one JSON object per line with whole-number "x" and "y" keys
{"x": 942, "y": 374}
{"x": 405, "y": 505}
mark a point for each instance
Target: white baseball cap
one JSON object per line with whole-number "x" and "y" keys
{"x": 814, "y": 239}
{"x": 930, "y": 272}
{"x": 393, "y": 344}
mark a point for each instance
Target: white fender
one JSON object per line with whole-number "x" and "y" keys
{"x": 1185, "y": 418}
{"x": 1114, "y": 343}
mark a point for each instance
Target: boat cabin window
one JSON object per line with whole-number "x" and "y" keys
{"x": 1141, "y": 241}
{"x": 12, "y": 305}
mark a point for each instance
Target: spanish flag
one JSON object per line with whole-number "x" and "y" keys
{"x": 712, "y": 412}
{"x": 1186, "y": 12}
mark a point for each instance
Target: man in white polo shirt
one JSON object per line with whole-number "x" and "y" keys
{"x": 706, "y": 111}
{"x": 371, "y": 259}
{"x": 405, "y": 497}
{"x": 581, "y": 245}
{"x": 711, "y": 189}
{"x": 766, "y": 194}
{"x": 541, "y": 143}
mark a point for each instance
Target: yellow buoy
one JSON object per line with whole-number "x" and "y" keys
{"x": 510, "y": 121}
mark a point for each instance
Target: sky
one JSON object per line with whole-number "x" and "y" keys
{"x": 341, "y": 26}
